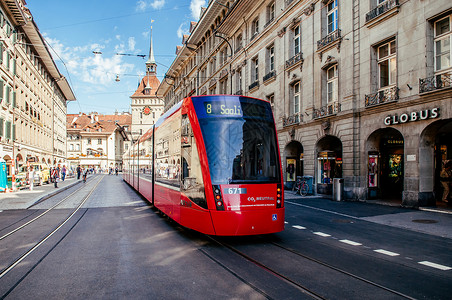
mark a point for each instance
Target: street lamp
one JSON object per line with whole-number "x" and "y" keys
{"x": 232, "y": 52}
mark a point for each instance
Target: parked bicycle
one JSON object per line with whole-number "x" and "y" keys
{"x": 301, "y": 187}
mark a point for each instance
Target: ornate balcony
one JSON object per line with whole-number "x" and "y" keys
{"x": 327, "y": 110}
{"x": 329, "y": 39}
{"x": 294, "y": 60}
{"x": 383, "y": 96}
{"x": 381, "y": 9}
{"x": 292, "y": 120}
{"x": 269, "y": 76}
{"x": 254, "y": 85}
{"x": 434, "y": 83}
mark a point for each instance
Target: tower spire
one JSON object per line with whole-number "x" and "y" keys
{"x": 151, "y": 66}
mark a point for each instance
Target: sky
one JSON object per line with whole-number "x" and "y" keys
{"x": 74, "y": 29}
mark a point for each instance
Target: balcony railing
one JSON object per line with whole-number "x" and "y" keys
{"x": 383, "y": 96}
{"x": 239, "y": 92}
{"x": 269, "y": 76}
{"x": 253, "y": 85}
{"x": 293, "y": 119}
{"x": 381, "y": 9}
{"x": 434, "y": 83}
{"x": 329, "y": 39}
{"x": 327, "y": 110}
{"x": 294, "y": 59}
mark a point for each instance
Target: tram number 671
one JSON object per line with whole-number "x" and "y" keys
{"x": 235, "y": 191}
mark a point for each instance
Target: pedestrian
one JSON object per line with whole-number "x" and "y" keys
{"x": 446, "y": 178}
{"x": 116, "y": 171}
{"x": 55, "y": 176}
{"x": 63, "y": 173}
{"x": 85, "y": 173}
{"x": 79, "y": 171}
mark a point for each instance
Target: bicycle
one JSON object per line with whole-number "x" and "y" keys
{"x": 301, "y": 187}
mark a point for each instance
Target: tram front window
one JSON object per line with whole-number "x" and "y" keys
{"x": 241, "y": 150}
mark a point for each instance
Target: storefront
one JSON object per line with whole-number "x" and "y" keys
{"x": 294, "y": 166}
{"x": 329, "y": 163}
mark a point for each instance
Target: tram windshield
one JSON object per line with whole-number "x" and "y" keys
{"x": 240, "y": 141}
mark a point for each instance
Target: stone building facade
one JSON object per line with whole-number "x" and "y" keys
{"x": 97, "y": 141}
{"x": 145, "y": 105}
{"x": 33, "y": 93}
{"x": 361, "y": 90}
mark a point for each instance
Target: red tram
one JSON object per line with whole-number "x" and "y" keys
{"x": 212, "y": 164}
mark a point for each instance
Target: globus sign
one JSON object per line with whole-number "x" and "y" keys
{"x": 412, "y": 117}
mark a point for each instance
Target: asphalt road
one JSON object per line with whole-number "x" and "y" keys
{"x": 116, "y": 247}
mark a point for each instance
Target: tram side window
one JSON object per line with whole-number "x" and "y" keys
{"x": 192, "y": 183}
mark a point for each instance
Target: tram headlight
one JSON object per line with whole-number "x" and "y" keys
{"x": 278, "y": 196}
{"x": 218, "y": 198}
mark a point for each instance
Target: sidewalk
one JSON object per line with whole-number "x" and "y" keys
{"x": 24, "y": 198}
{"x": 428, "y": 220}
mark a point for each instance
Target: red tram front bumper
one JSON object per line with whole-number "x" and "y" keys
{"x": 252, "y": 222}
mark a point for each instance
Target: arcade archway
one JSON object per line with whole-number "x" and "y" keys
{"x": 329, "y": 163}
{"x": 385, "y": 164}
{"x": 293, "y": 163}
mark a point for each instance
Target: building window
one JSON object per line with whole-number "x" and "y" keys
{"x": 271, "y": 58}
{"x": 223, "y": 86}
{"x": 255, "y": 70}
{"x": 296, "y": 97}
{"x": 387, "y": 65}
{"x": 271, "y": 99}
{"x": 99, "y": 141}
{"x": 332, "y": 90}
{"x": 254, "y": 28}
{"x": 271, "y": 12}
{"x": 238, "y": 43}
{"x": 89, "y": 141}
{"x": 332, "y": 16}
{"x": 238, "y": 77}
{"x": 297, "y": 40}
{"x": 443, "y": 43}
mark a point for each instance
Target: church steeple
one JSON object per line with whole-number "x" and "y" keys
{"x": 151, "y": 66}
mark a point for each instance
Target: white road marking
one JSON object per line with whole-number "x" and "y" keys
{"x": 433, "y": 265}
{"x": 385, "y": 252}
{"x": 286, "y": 222}
{"x": 350, "y": 242}
{"x": 322, "y": 234}
{"x": 298, "y": 227}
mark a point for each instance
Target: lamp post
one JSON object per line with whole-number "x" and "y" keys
{"x": 232, "y": 52}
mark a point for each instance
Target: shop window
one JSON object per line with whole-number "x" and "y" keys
{"x": 329, "y": 167}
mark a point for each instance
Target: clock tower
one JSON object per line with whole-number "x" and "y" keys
{"x": 146, "y": 106}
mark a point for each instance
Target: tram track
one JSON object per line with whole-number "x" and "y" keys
{"x": 288, "y": 278}
{"x": 10, "y": 266}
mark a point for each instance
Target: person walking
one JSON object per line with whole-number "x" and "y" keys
{"x": 63, "y": 173}
{"x": 85, "y": 174}
{"x": 55, "y": 176}
{"x": 446, "y": 178}
{"x": 79, "y": 171}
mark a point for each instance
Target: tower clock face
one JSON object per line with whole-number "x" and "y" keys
{"x": 146, "y": 110}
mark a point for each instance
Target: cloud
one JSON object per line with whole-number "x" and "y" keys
{"x": 195, "y": 8}
{"x": 83, "y": 65}
{"x": 155, "y": 4}
{"x": 132, "y": 44}
{"x": 181, "y": 31}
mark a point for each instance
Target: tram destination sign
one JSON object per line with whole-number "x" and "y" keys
{"x": 412, "y": 116}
